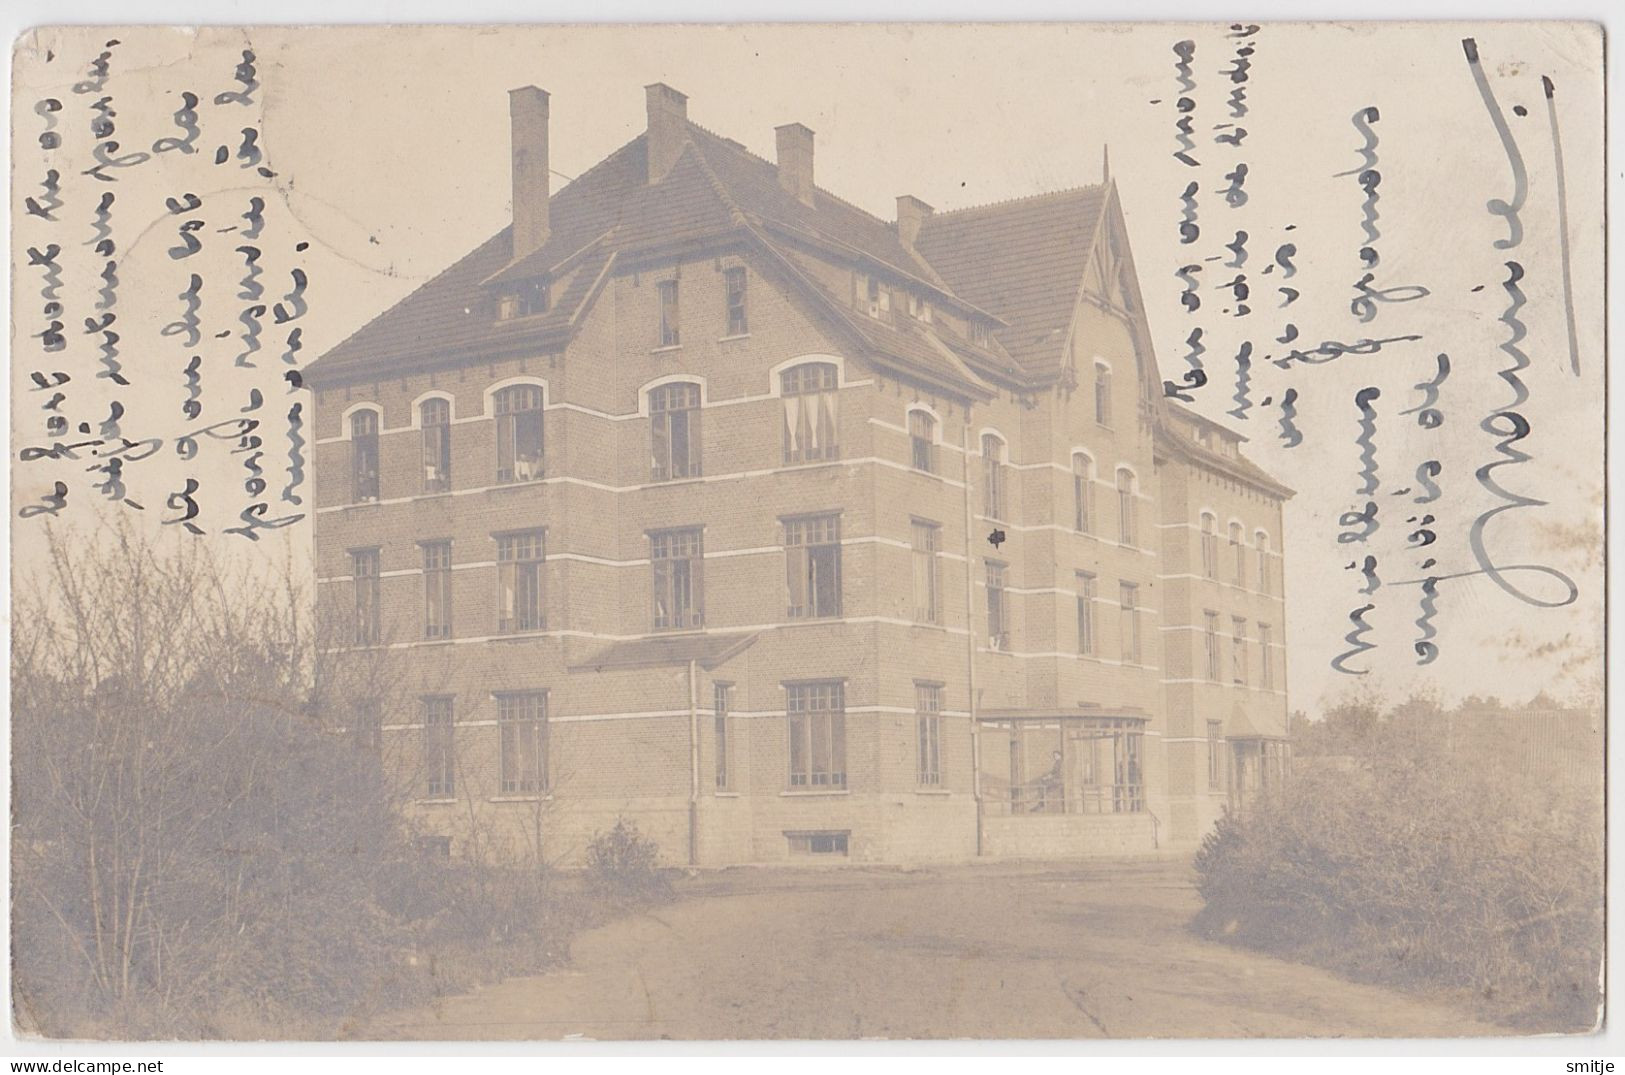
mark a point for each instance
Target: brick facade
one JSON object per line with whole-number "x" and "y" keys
{"x": 630, "y": 721}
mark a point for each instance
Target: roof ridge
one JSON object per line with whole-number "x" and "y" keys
{"x": 1004, "y": 202}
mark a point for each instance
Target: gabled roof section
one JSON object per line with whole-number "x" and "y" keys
{"x": 1024, "y": 260}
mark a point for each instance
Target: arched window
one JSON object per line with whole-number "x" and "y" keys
{"x": 1262, "y": 540}
{"x": 922, "y": 429}
{"x": 1127, "y": 526}
{"x": 1103, "y": 394}
{"x": 1238, "y": 549}
{"x": 519, "y": 433}
{"x": 810, "y": 412}
{"x": 364, "y": 455}
{"x": 434, "y": 415}
{"x": 674, "y": 423}
{"x": 1210, "y": 546}
{"x": 993, "y": 477}
{"x": 1083, "y": 493}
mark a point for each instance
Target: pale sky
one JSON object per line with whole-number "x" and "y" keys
{"x": 391, "y": 154}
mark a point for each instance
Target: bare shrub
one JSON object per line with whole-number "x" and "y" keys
{"x": 621, "y": 865}
{"x": 1403, "y": 861}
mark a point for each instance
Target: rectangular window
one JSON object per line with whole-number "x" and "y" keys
{"x": 817, "y": 719}
{"x": 928, "y": 728}
{"x": 435, "y": 416}
{"x": 674, "y": 421}
{"x": 812, "y": 555}
{"x": 1086, "y": 613}
{"x": 1238, "y": 549}
{"x": 993, "y": 477}
{"x": 535, "y": 296}
{"x": 1215, "y": 754}
{"x": 439, "y": 748}
{"x": 1129, "y": 600}
{"x": 1210, "y": 548}
{"x": 978, "y": 332}
{"x": 364, "y": 570}
{"x": 878, "y": 298}
{"x": 723, "y": 725}
{"x": 364, "y": 456}
{"x": 1127, "y": 526}
{"x": 367, "y": 726}
{"x": 810, "y": 413}
{"x": 733, "y": 286}
{"x": 1210, "y": 642}
{"x": 669, "y": 336}
{"x": 1263, "y": 562}
{"x": 1083, "y": 494}
{"x": 998, "y": 609}
{"x": 522, "y": 742}
{"x": 437, "y": 589}
{"x": 1238, "y": 650}
{"x": 1267, "y": 678}
{"x": 1101, "y": 773}
{"x": 518, "y": 412}
{"x": 927, "y": 543}
{"x": 519, "y": 582}
{"x": 1103, "y": 394}
{"x": 817, "y": 843}
{"x": 921, "y": 438}
{"x": 678, "y": 560}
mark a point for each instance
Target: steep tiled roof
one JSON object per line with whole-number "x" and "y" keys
{"x": 1022, "y": 260}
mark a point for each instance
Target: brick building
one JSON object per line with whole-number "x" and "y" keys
{"x": 678, "y": 499}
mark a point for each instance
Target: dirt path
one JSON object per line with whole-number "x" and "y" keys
{"x": 995, "y": 951}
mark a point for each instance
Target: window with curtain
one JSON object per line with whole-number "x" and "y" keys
{"x": 677, "y": 560}
{"x": 519, "y": 582}
{"x": 435, "y": 418}
{"x": 816, "y": 715}
{"x": 733, "y": 281}
{"x": 522, "y": 742}
{"x": 674, "y": 420}
{"x": 810, "y": 412}
{"x": 436, "y": 589}
{"x": 812, "y": 553}
{"x": 519, "y": 433}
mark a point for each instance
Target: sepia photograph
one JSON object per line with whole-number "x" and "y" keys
{"x": 828, "y": 532}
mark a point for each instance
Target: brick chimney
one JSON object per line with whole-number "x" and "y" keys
{"x": 527, "y": 112}
{"x": 668, "y": 128}
{"x": 911, "y": 215}
{"x": 795, "y": 146}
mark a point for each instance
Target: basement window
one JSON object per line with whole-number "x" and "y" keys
{"x": 818, "y": 843}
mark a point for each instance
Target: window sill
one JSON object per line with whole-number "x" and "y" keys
{"x": 519, "y": 636}
{"x": 666, "y": 350}
{"x": 736, "y": 336}
{"x": 435, "y": 802}
{"x": 933, "y": 791}
{"x": 726, "y": 794}
{"x": 814, "y": 794}
{"x": 520, "y": 799}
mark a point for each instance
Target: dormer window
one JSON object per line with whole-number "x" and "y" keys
{"x": 878, "y": 299}
{"x": 919, "y": 309}
{"x": 530, "y": 298}
{"x": 978, "y": 332}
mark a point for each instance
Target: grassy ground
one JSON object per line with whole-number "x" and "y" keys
{"x": 982, "y": 951}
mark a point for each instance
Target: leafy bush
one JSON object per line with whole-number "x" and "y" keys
{"x": 1407, "y": 863}
{"x": 621, "y": 863}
